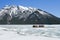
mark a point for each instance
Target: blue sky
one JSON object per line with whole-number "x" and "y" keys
{"x": 51, "y": 6}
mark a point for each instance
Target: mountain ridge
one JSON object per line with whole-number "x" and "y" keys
{"x": 26, "y": 15}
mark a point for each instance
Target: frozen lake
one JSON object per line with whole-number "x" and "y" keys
{"x": 47, "y": 31}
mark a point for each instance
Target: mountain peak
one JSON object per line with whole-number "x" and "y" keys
{"x": 25, "y": 15}
{"x": 20, "y": 7}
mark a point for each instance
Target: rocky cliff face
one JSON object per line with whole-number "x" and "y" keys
{"x": 26, "y": 15}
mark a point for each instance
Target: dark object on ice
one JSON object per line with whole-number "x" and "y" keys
{"x": 38, "y": 26}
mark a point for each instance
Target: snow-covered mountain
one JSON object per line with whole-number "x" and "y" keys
{"x": 26, "y": 15}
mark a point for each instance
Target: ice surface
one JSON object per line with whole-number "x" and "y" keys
{"x": 17, "y": 32}
{"x": 11, "y": 34}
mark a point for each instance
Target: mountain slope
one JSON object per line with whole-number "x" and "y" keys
{"x": 23, "y": 15}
